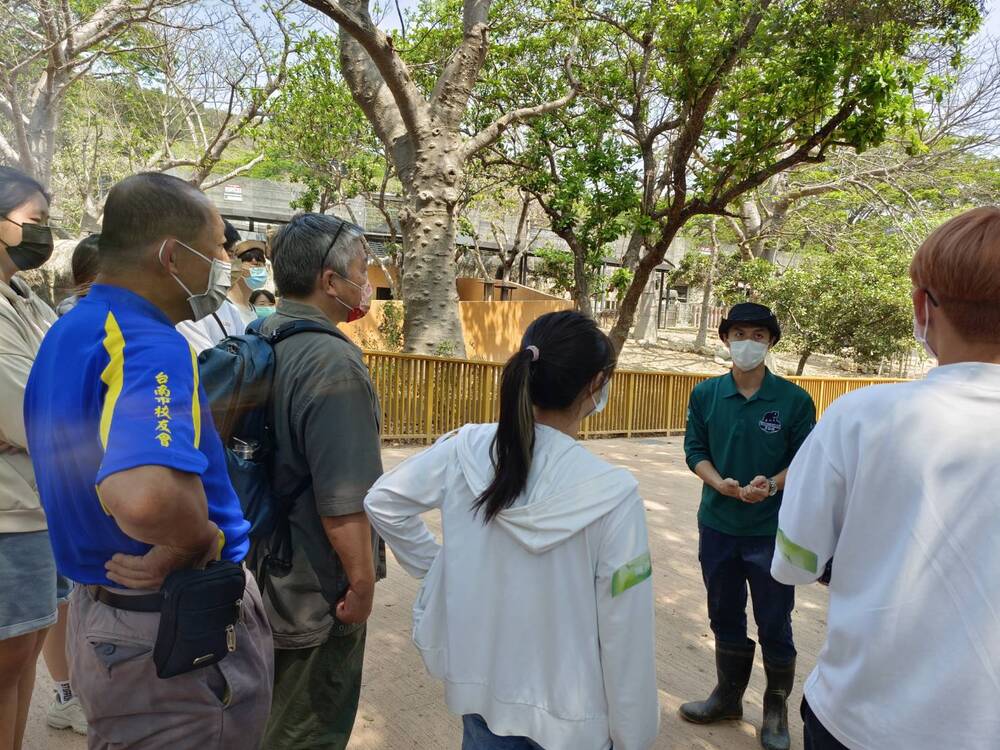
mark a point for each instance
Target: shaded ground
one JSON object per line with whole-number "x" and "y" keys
{"x": 403, "y": 709}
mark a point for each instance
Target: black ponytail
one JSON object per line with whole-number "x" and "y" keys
{"x": 561, "y": 354}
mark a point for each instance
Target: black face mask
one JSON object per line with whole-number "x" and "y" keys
{"x": 35, "y": 247}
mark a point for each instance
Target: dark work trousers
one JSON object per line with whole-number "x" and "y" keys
{"x": 728, "y": 564}
{"x": 316, "y": 694}
{"x": 815, "y": 735}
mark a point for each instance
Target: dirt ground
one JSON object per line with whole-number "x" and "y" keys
{"x": 403, "y": 709}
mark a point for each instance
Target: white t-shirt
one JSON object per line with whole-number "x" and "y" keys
{"x": 205, "y": 333}
{"x": 246, "y": 312}
{"x": 898, "y": 485}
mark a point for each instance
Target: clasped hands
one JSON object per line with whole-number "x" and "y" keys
{"x": 759, "y": 489}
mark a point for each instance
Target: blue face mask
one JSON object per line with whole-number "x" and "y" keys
{"x": 257, "y": 278}
{"x": 601, "y": 401}
{"x": 262, "y": 311}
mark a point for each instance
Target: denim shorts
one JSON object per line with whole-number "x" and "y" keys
{"x": 30, "y": 588}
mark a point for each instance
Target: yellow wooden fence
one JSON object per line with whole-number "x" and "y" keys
{"x": 426, "y": 397}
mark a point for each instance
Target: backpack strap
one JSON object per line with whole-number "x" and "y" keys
{"x": 293, "y": 327}
{"x": 284, "y": 331}
{"x": 277, "y": 559}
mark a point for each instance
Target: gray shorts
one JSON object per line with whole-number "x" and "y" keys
{"x": 221, "y": 707}
{"x": 30, "y": 588}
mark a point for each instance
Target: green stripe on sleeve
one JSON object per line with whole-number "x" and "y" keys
{"x": 798, "y": 556}
{"x": 631, "y": 574}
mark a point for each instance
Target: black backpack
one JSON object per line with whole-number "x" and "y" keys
{"x": 238, "y": 377}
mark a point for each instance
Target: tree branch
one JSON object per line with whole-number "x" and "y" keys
{"x": 489, "y": 135}
{"x": 451, "y": 94}
{"x": 8, "y": 151}
{"x": 391, "y": 70}
{"x": 687, "y": 139}
{"x": 235, "y": 173}
{"x": 802, "y": 154}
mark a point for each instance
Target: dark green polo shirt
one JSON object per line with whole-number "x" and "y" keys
{"x": 744, "y": 438}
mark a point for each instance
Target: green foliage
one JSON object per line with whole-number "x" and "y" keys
{"x": 391, "y": 326}
{"x": 445, "y": 349}
{"x": 806, "y": 62}
{"x": 692, "y": 270}
{"x": 584, "y": 175}
{"x": 714, "y": 112}
{"x": 317, "y": 135}
{"x": 739, "y": 280}
{"x": 619, "y": 282}
{"x": 854, "y": 302}
{"x": 557, "y": 267}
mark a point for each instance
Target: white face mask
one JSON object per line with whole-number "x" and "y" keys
{"x": 601, "y": 401}
{"x": 748, "y": 355}
{"x": 219, "y": 282}
{"x": 921, "y": 335}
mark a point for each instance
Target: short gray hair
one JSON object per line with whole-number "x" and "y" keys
{"x": 309, "y": 244}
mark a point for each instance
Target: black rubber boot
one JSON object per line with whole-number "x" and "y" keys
{"x": 733, "y": 665}
{"x": 774, "y": 730}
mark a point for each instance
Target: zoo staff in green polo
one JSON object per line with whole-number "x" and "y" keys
{"x": 743, "y": 430}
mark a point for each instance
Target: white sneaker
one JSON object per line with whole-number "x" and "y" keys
{"x": 66, "y": 716}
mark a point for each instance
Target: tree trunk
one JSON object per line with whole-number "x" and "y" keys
{"x": 634, "y": 250}
{"x": 93, "y": 214}
{"x": 643, "y": 270}
{"x": 506, "y": 268}
{"x": 40, "y": 134}
{"x": 432, "y": 325}
{"x": 645, "y": 327}
{"x": 802, "y": 362}
{"x": 706, "y": 301}
{"x": 581, "y": 284}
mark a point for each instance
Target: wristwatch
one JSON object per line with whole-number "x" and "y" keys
{"x": 772, "y": 488}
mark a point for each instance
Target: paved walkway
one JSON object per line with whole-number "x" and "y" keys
{"x": 402, "y": 708}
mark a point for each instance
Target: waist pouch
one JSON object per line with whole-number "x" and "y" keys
{"x": 198, "y": 618}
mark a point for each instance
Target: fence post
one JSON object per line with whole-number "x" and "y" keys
{"x": 631, "y": 405}
{"x": 486, "y": 381}
{"x": 429, "y": 406}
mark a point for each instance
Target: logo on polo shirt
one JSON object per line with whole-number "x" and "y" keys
{"x": 771, "y": 422}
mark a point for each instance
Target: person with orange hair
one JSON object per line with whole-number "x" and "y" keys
{"x": 896, "y": 486}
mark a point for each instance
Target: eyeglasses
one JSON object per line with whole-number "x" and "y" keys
{"x": 329, "y": 249}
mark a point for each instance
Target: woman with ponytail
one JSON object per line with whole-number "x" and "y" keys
{"x": 537, "y": 608}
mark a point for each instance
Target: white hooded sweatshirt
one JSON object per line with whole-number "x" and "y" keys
{"x": 541, "y": 620}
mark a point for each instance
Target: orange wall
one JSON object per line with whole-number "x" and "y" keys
{"x": 365, "y": 332}
{"x": 492, "y": 330}
{"x": 471, "y": 290}
{"x": 377, "y": 276}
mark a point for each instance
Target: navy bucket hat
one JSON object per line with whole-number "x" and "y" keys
{"x": 750, "y": 313}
